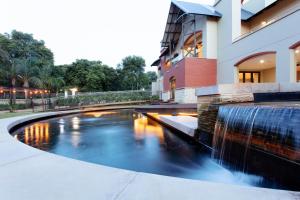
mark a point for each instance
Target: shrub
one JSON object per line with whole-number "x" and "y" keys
{"x": 105, "y": 97}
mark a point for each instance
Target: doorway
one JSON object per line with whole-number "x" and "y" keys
{"x": 173, "y": 88}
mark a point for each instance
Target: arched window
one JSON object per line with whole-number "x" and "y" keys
{"x": 193, "y": 46}
{"x": 257, "y": 68}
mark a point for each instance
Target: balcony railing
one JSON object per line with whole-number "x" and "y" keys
{"x": 266, "y": 23}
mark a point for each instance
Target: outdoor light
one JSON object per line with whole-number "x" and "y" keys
{"x": 14, "y": 91}
{"x": 297, "y": 51}
{"x": 30, "y": 92}
{"x": 74, "y": 89}
{"x": 35, "y": 92}
{"x": 262, "y": 61}
{"x": 263, "y": 23}
{"x": 1, "y": 91}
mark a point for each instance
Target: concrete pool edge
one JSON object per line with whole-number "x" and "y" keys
{"x": 28, "y": 173}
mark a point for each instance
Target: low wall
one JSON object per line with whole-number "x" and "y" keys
{"x": 248, "y": 88}
{"x": 182, "y": 95}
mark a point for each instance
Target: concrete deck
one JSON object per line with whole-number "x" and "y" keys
{"x": 28, "y": 173}
{"x": 185, "y": 124}
{"x": 168, "y": 108}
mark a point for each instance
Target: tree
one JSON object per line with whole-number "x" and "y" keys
{"x": 95, "y": 79}
{"x": 132, "y": 71}
{"x": 25, "y": 56}
{"x": 46, "y": 80}
{"x": 147, "y": 78}
{"x": 27, "y": 62}
{"x": 9, "y": 60}
{"x": 92, "y": 76}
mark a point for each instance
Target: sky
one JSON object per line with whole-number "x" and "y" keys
{"x": 106, "y": 30}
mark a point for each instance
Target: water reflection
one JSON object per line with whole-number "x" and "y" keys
{"x": 36, "y": 134}
{"x": 98, "y": 114}
{"x": 129, "y": 140}
{"x": 144, "y": 127}
{"x": 75, "y": 123}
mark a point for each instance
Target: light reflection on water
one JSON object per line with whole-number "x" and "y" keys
{"x": 143, "y": 128}
{"x": 36, "y": 134}
{"x": 129, "y": 140}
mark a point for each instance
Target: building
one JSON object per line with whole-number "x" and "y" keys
{"x": 237, "y": 44}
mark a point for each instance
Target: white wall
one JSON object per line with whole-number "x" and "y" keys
{"x": 154, "y": 88}
{"x": 186, "y": 95}
{"x": 165, "y": 96}
{"x": 229, "y": 28}
{"x": 210, "y": 39}
{"x": 183, "y": 95}
{"x": 278, "y": 37}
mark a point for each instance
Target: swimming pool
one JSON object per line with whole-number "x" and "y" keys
{"x": 129, "y": 140}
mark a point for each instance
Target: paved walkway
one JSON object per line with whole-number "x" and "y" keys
{"x": 28, "y": 173}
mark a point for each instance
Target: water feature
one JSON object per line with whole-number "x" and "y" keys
{"x": 129, "y": 140}
{"x": 259, "y": 133}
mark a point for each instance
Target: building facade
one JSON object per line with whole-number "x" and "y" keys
{"x": 233, "y": 43}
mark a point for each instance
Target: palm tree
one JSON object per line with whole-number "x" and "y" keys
{"x": 10, "y": 72}
{"x": 46, "y": 80}
{"x": 26, "y": 73}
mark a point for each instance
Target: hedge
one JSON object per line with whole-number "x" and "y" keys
{"x": 105, "y": 97}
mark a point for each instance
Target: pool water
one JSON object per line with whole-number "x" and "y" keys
{"x": 126, "y": 139}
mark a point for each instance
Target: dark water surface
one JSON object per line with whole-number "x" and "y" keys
{"x": 128, "y": 140}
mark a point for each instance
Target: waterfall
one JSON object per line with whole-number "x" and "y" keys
{"x": 274, "y": 129}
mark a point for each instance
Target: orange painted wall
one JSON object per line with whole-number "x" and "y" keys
{"x": 192, "y": 72}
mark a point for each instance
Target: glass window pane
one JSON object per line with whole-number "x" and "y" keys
{"x": 241, "y": 77}
{"x": 248, "y": 78}
{"x": 255, "y": 77}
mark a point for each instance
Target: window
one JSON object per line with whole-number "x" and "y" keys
{"x": 249, "y": 77}
{"x": 192, "y": 42}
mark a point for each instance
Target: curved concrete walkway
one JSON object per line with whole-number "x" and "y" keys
{"x": 28, "y": 173}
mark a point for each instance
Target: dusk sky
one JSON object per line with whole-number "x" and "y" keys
{"x": 91, "y": 29}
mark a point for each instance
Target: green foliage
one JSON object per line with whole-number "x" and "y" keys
{"x": 15, "y": 107}
{"x": 22, "y": 56}
{"x": 91, "y": 76}
{"x": 27, "y": 62}
{"x": 105, "y": 97}
{"x": 132, "y": 73}
{"x": 154, "y": 98}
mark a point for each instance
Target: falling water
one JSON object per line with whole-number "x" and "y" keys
{"x": 273, "y": 129}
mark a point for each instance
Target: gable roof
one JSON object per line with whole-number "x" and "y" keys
{"x": 196, "y": 8}
{"x": 176, "y": 11}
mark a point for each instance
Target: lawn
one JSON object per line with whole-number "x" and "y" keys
{"x": 14, "y": 114}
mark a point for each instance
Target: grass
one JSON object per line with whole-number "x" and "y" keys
{"x": 14, "y": 114}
